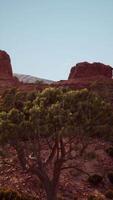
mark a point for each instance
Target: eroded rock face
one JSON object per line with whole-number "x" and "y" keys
{"x": 87, "y": 70}
{"x": 5, "y": 66}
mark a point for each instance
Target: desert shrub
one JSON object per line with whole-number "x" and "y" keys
{"x": 2, "y": 153}
{"x": 91, "y": 197}
{"x": 109, "y": 194}
{"x": 109, "y": 151}
{"x": 110, "y": 177}
{"x": 95, "y": 179}
{"x": 7, "y": 194}
{"x": 96, "y": 197}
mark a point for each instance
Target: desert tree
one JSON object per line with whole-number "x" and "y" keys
{"x": 55, "y": 133}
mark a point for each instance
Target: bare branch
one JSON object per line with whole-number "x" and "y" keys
{"x": 52, "y": 154}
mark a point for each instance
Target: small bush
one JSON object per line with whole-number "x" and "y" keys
{"x": 109, "y": 194}
{"x": 109, "y": 151}
{"x": 96, "y": 197}
{"x": 2, "y": 154}
{"x": 110, "y": 177}
{"x": 95, "y": 179}
{"x": 11, "y": 195}
{"x": 91, "y": 197}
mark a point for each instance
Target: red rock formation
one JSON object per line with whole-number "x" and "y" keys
{"x": 7, "y": 80}
{"x": 88, "y": 70}
{"x": 5, "y": 66}
{"x": 83, "y": 75}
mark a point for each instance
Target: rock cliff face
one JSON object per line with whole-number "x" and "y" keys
{"x": 88, "y": 70}
{"x": 5, "y": 66}
{"x": 7, "y": 80}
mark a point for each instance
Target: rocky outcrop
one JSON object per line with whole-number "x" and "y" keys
{"x": 88, "y": 70}
{"x": 5, "y": 66}
{"x": 94, "y": 76}
{"x": 7, "y": 80}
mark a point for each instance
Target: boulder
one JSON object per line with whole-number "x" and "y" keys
{"x": 88, "y": 70}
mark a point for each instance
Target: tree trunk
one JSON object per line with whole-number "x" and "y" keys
{"x": 51, "y": 191}
{"x": 51, "y": 195}
{"x": 21, "y": 156}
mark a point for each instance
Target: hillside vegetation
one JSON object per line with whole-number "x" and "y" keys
{"x": 56, "y": 144}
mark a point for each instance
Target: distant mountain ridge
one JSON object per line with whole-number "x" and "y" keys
{"x": 31, "y": 79}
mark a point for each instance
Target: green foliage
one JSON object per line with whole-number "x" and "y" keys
{"x": 56, "y": 111}
{"x": 48, "y": 97}
{"x": 31, "y": 96}
{"x": 95, "y": 197}
{"x": 20, "y": 96}
{"x": 13, "y": 99}
{"x": 15, "y": 116}
{"x": 10, "y": 124}
{"x": 12, "y": 195}
{"x": 8, "y": 99}
{"x": 53, "y": 113}
{"x": 92, "y": 197}
{"x": 88, "y": 112}
{"x": 26, "y": 130}
{"x": 3, "y": 116}
{"x": 2, "y": 154}
{"x": 95, "y": 179}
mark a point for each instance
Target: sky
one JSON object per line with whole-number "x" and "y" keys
{"x": 45, "y": 38}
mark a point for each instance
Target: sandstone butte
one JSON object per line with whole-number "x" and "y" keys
{"x": 8, "y": 80}
{"x": 83, "y": 75}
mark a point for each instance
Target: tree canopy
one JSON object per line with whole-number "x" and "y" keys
{"x": 51, "y": 122}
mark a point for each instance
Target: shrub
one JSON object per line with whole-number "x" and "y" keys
{"x": 95, "y": 179}
{"x": 109, "y": 151}
{"x": 91, "y": 197}
{"x": 109, "y": 194}
{"x": 7, "y": 194}
{"x": 110, "y": 177}
{"x": 96, "y": 197}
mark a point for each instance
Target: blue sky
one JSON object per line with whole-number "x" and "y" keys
{"x": 46, "y": 37}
